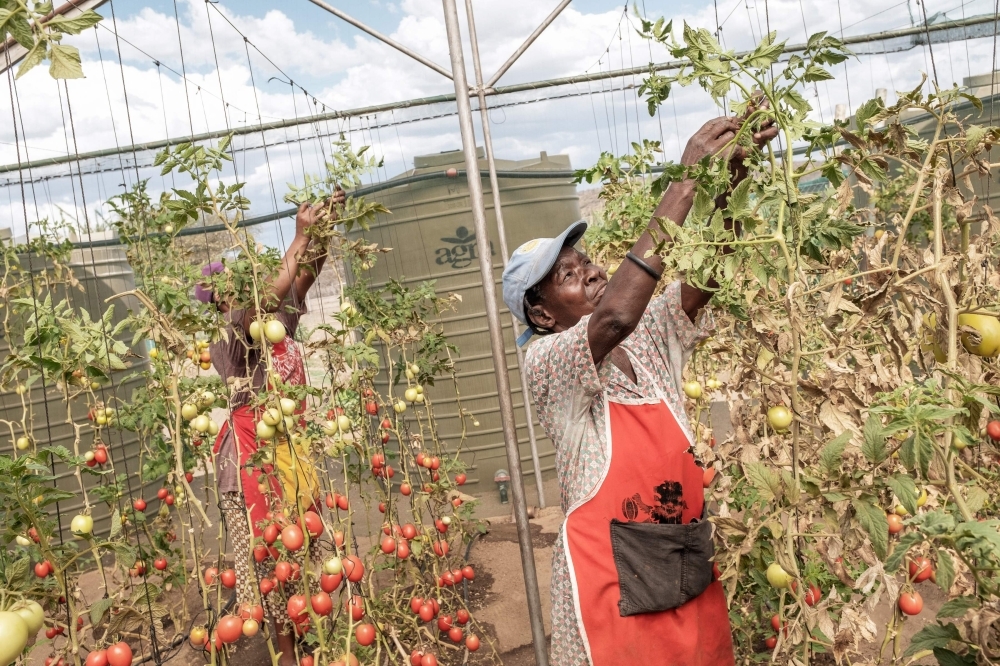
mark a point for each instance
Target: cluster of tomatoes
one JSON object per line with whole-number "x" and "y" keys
{"x": 427, "y": 610}
{"x": 200, "y": 354}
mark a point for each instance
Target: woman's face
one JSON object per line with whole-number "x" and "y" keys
{"x": 570, "y": 291}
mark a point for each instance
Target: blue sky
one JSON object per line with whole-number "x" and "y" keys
{"x": 344, "y": 68}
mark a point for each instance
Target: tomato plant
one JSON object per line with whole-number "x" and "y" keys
{"x": 855, "y": 340}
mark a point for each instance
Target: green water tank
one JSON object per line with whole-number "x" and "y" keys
{"x": 101, "y": 272}
{"x": 432, "y": 237}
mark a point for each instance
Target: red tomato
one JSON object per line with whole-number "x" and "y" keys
{"x": 330, "y": 582}
{"x": 97, "y": 658}
{"x": 230, "y": 628}
{"x": 160, "y": 563}
{"x": 356, "y": 606}
{"x": 428, "y": 660}
{"x": 462, "y": 616}
{"x": 457, "y": 575}
{"x": 139, "y": 504}
{"x": 330, "y": 501}
{"x": 460, "y": 481}
{"x": 169, "y": 500}
{"x": 441, "y": 527}
{"x": 314, "y": 524}
{"x": 415, "y": 604}
{"x": 895, "y": 523}
{"x": 365, "y": 633}
{"x": 426, "y": 612}
{"x": 292, "y": 538}
{"x": 368, "y": 393}
{"x": 813, "y": 595}
{"x": 455, "y": 634}
{"x": 211, "y": 574}
{"x": 342, "y": 503}
{"x": 381, "y": 507}
{"x": 435, "y": 463}
{"x": 42, "y": 569}
{"x": 848, "y": 281}
{"x": 920, "y": 569}
{"x": 385, "y": 437}
{"x": 472, "y": 642}
{"x": 189, "y": 477}
{"x": 266, "y": 585}
{"x": 444, "y": 623}
{"x": 162, "y": 493}
{"x": 306, "y": 660}
{"x": 435, "y": 605}
{"x": 322, "y": 603}
{"x": 440, "y": 548}
{"x": 354, "y": 568}
{"x": 296, "y": 608}
{"x": 283, "y": 571}
{"x": 415, "y": 657}
{"x": 378, "y": 460}
{"x": 386, "y": 424}
{"x": 120, "y": 654}
{"x": 228, "y": 578}
{"x": 270, "y": 534}
{"x": 420, "y": 459}
{"x": 371, "y": 408}
{"x": 911, "y": 603}
{"x": 447, "y": 579}
{"x": 101, "y": 454}
{"x": 770, "y": 642}
{"x": 388, "y": 545}
{"x": 403, "y": 550}
{"x": 993, "y": 430}
{"x": 468, "y": 573}
{"x": 260, "y": 553}
{"x": 405, "y": 489}
{"x": 409, "y": 531}
{"x": 338, "y": 538}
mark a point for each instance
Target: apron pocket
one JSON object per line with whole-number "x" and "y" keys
{"x": 660, "y": 566}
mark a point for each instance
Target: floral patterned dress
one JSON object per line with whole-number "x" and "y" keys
{"x": 567, "y": 389}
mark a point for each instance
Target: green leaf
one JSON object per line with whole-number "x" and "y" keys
{"x": 930, "y": 637}
{"x": 949, "y": 658}
{"x": 976, "y": 498}
{"x": 905, "y": 490}
{"x": 764, "y": 479}
{"x": 957, "y": 607}
{"x": 116, "y": 524}
{"x": 815, "y": 73}
{"x": 19, "y": 28}
{"x": 17, "y": 570}
{"x": 98, "y": 609}
{"x": 832, "y": 454}
{"x": 65, "y": 62}
{"x": 906, "y": 542}
{"x": 35, "y": 56}
{"x": 944, "y": 573}
{"x": 874, "y": 522}
{"x": 76, "y": 24}
{"x": 868, "y": 110}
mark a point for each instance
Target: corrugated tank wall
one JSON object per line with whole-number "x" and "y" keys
{"x": 433, "y": 238}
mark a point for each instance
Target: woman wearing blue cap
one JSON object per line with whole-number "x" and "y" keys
{"x": 632, "y": 581}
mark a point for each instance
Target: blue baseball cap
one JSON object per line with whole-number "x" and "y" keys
{"x": 529, "y": 265}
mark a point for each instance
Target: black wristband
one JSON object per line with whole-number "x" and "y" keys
{"x": 644, "y": 266}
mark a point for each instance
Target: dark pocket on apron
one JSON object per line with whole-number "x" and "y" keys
{"x": 660, "y": 566}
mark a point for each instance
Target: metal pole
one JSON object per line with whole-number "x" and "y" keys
{"x": 496, "y": 332}
{"x": 502, "y": 233}
{"x": 528, "y": 42}
{"x": 382, "y": 38}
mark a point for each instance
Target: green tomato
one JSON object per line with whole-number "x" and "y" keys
{"x": 23, "y": 443}
{"x": 13, "y": 636}
{"x": 780, "y": 417}
{"x": 200, "y": 423}
{"x": 333, "y": 566}
{"x": 82, "y": 525}
{"x": 777, "y": 576}
{"x": 32, "y": 614}
{"x": 410, "y": 394}
{"x": 329, "y": 428}
{"x": 271, "y": 416}
{"x": 692, "y": 390}
{"x": 344, "y": 423}
{"x": 288, "y": 406}
{"x": 274, "y": 331}
{"x": 399, "y": 407}
{"x": 256, "y": 332}
{"x": 213, "y": 428}
{"x": 188, "y": 411}
{"x": 265, "y": 431}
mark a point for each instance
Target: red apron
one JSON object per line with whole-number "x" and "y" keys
{"x": 650, "y": 476}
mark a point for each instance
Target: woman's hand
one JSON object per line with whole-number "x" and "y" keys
{"x": 309, "y": 215}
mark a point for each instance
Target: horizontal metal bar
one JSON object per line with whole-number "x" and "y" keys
{"x": 440, "y": 99}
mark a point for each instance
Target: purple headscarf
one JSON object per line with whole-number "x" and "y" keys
{"x": 204, "y": 294}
